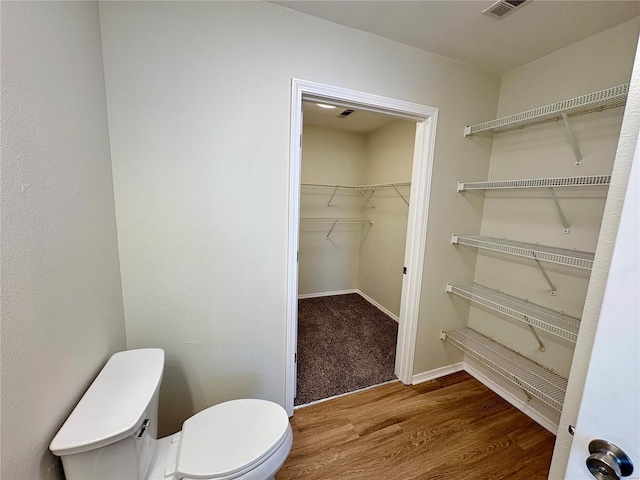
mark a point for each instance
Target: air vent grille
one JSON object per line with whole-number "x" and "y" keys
{"x": 345, "y": 113}
{"x": 502, "y": 8}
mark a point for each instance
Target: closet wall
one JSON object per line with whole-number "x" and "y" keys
{"x": 389, "y": 159}
{"x": 530, "y": 215}
{"x": 366, "y": 258}
{"x": 330, "y": 156}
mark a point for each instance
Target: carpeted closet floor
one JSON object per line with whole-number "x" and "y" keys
{"x": 344, "y": 344}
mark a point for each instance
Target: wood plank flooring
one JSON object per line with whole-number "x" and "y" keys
{"x": 450, "y": 428}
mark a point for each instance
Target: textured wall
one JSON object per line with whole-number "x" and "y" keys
{"x": 530, "y": 216}
{"x": 389, "y": 159}
{"x": 330, "y": 156}
{"x": 199, "y": 113}
{"x": 62, "y": 313}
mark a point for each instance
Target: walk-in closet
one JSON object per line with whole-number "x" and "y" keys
{"x": 355, "y": 193}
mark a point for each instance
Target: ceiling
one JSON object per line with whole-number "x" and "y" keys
{"x": 360, "y": 121}
{"x": 457, "y": 29}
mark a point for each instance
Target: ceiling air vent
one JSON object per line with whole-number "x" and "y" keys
{"x": 502, "y": 8}
{"x": 345, "y": 113}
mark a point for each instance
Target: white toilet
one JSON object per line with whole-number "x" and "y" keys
{"x": 112, "y": 432}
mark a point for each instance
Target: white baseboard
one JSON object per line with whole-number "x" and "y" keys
{"x": 437, "y": 373}
{"x": 378, "y": 306}
{"x": 326, "y": 294}
{"x": 512, "y": 399}
{"x": 344, "y": 292}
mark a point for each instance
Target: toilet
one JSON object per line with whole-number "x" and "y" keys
{"x": 112, "y": 432}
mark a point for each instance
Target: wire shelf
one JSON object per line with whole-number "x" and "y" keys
{"x": 352, "y": 221}
{"x": 561, "y": 256}
{"x": 551, "y": 321}
{"x": 335, "y": 221}
{"x": 584, "y": 181}
{"x": 377, "y": 186}
{"x": 533, "y": 378}
{"x": 592, "y": 102}
{"x": 366, "y": 190}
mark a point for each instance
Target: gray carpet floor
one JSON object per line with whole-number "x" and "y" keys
{"x": 344, "y": 344}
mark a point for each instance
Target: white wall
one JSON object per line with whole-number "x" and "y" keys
{"x": 544, "y": 151}
{"x": 330, "y": 156}
{"x": 62, "y": 314}
{"x": 199, "y": 110}
{"x": 389, "y": 160}
{"x": 355, "y": 257}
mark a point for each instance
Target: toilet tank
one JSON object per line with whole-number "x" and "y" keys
{"x": 112, "y": 432}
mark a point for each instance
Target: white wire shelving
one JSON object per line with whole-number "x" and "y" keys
{"x": 376, "y": 186}
{"x": 365, "y": 190}
{"x": 592, "y": 102}
{"x": 546, "y": 319}
{"x": 556, "y": 182}
{"x": 335, "y": 221}
{"x": 561, "y": 256}
{"x": 549, "y": 183}
{"x": 533, "y": 378}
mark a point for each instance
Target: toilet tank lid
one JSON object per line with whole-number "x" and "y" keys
{"x": 113, "y": 406}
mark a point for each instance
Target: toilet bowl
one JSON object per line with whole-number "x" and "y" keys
{"x": 112, "y": 432}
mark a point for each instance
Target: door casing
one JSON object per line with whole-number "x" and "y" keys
{"x": 424, "y": 147}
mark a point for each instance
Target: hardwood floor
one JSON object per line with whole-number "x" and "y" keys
{"x": 450, "y": 428}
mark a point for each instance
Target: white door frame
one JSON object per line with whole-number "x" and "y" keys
{"x": 426, "y": 118}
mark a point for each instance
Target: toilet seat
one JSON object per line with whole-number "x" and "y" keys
{"x": 229, "y": 439}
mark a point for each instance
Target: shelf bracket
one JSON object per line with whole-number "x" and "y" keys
{"x": 529, "y": 397}
{"x": 563, "y": 219}
{"x": 332, "y": 195}
{"x": 401, "y": 196}
{"x": 554, "y": 290}
{"x": 572, "y": 140}
{"x": 535, "y": 334}
{"x": 367, "y": 197}
{"x": 331, "y": 229}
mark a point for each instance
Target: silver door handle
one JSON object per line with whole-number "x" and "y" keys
{"x": 607, "y": 461}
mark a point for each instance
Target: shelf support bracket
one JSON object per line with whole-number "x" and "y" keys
{"x": 563, "y": 219}
{"x": 367, "y": 197}
{"x": 332, "y": 195}
{"x": 572, "y": 140}
{"x": 554, "y": 290}
{"x": 331, "y": 229}
{"x": 401, "y": 196}
{"x": 535, "y": 334}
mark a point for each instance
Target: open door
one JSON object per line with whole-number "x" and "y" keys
{"x": 610, "y": 408}
{"x": 606, "y": 442}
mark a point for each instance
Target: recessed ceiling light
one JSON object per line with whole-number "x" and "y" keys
{"x": 324, "y": 105}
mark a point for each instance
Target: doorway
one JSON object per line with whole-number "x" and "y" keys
{"x": 356, "y": 172}
{"x": 426, "y": 118}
